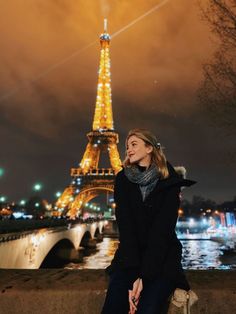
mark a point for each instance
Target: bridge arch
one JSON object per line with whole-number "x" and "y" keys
{"x": 58, "y": 253}
{"x": 85, "y": 239}
{"x": 97, "y": 232}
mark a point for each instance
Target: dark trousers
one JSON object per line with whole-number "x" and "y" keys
{"x": 153, "y": 297}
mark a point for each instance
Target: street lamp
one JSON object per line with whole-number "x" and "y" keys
{"x": 58, "y": 194}
{"x": 22, "y": 202}
{"x": 2, "y": 199}
{"x": 37, "y": 187}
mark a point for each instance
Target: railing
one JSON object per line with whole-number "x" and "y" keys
{"x": 93, "y": 172}
{"x": 13, "y": 230}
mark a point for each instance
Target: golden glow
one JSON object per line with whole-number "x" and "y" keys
{"x": 114, "y": 157}
{"x": 101, "y": 138}
{"x": 91, "y": 158}
{"x": 64, "y": 199}
{"x": 82, "y": 198}
{"x": 103, "y": 118}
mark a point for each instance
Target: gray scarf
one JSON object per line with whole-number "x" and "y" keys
{"x": 146, "y": 179}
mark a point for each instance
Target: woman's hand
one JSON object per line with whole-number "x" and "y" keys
{"x": 134, "y": 295}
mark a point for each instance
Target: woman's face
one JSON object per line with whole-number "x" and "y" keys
{"x": 138, "y": 152}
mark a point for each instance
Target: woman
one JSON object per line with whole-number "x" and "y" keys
{"x": 146, "y": 267}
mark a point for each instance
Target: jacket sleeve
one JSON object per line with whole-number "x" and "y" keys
{"x": 128, "y": 240}
{"x": 161, "y": 234}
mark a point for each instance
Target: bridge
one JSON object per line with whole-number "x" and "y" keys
{"x": 31, "y": 249}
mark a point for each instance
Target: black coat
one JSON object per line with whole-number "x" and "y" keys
{"x": 148, "y": 242}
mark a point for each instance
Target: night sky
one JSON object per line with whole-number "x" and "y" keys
{"x": 48, "y": 81}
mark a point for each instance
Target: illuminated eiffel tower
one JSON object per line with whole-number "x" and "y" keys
{"x": 88, "y": 180}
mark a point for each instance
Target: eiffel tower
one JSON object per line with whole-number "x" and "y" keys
{"x": 88, "y": 180}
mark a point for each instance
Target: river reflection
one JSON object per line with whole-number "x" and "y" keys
{"x": 197, "y": 254}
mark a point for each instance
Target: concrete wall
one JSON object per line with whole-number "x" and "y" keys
{"x": 82, "y": 291}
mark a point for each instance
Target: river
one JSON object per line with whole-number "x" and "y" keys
{"x": 197, "y": 254}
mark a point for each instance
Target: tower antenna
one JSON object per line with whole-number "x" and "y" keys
{"x": 105, "y": 25}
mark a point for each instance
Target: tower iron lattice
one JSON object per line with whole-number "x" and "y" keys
{"x": 88, "y": 180}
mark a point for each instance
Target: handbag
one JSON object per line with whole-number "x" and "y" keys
{"x": 185, "y": 299}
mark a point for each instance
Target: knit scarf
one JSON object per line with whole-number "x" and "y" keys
{"x": 146, "y": 179}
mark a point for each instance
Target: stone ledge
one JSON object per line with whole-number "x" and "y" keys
{"x": 61, "y": 291}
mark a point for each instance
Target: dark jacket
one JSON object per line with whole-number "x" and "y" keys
{"x": 148, "y": 243}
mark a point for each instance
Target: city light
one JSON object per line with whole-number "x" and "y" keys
{"x": 2, "y": 199}
{"x": 191, "y": 222}
{"x": 18, "y": 215}
{"x": 58, "y": 194}
{"x": 37, "y": 187}
{"x": 22, "y": 202}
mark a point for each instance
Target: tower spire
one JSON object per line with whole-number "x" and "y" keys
{"x": 103, "y": 118}
{"x": 105, "y": 25}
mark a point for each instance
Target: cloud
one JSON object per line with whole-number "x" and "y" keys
{"x": 156, "y": 62}
{"x": 50, "y": 88}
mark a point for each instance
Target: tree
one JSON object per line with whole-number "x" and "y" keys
{"x": 218, "y": 89}
{"x": 36, "y": 206}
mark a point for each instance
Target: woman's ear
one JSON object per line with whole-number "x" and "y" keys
{"x": 149, "y": 149}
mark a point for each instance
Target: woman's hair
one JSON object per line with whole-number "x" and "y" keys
{"x": 157, "y": 155}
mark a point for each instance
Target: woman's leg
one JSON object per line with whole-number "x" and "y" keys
{"x": 117, "y": 298}
{"x": 154, "y": 296}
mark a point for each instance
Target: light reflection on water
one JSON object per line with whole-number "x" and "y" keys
{"x": 203, "y": 254}
{"x": 197, "y": 254}
{"x": 100, "y": 258}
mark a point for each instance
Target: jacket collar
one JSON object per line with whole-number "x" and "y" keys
{"x": 174, "y": 179}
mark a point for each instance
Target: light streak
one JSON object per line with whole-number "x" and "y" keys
{"x": 47, "y": 71}
{"x": 156, "y": 7}
{"x": 76, "y": 53}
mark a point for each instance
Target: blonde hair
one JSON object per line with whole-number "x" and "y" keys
{"x": 157, "y": 155}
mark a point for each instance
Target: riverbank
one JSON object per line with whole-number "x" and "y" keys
{"x": 83, "y": 291}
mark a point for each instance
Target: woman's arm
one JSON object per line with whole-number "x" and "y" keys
{"x": 161, "y": 234}
{"x": 126, "y": 224}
